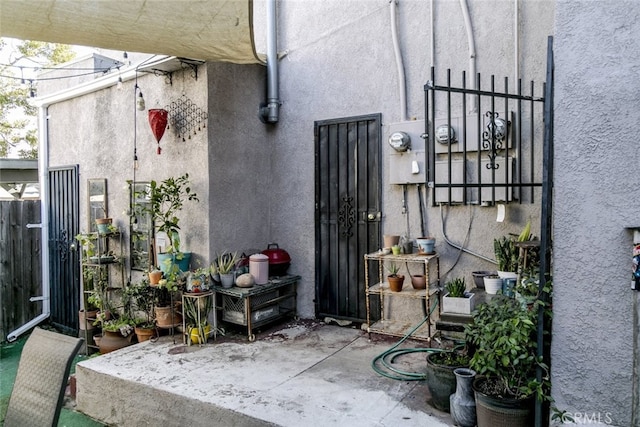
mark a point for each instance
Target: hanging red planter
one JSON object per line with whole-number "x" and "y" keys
{"x": 158, "y": 119}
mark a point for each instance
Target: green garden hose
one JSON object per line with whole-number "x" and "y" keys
{"x": 382, "y": 363}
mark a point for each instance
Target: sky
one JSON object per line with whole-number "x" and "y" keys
{"x": 7, "y": 54}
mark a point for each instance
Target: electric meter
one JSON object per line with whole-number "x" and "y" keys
{"x": 445, "y": 134}
{"x": 400, "y": 141}
{"x": 497, "y": 129}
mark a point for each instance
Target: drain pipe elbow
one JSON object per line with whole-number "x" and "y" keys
{"x": 270, "y": 111}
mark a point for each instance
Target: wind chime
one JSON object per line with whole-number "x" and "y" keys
{"x": 158, "y": 119}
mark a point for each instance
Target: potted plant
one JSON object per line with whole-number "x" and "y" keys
{"x": 166, "y": 200}
{"x": 167, "y": 314}
{"x": 198, "y": 280}
{"x": 506, "y": 254}
{"x": 457, "y": 299}
{"x": 140, "y": 299}
{"x": 226, "y": 265}
{"x": 116, "y": 334}
{"x": 155, "y": 274}
{"x": 196, "y": 312}
{"x": 503, "y": 339}
{"x": 441, "y": 380}
{"x": 396, "y": 280}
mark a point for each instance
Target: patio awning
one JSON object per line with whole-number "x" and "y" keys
{"x": 210, "y": 30}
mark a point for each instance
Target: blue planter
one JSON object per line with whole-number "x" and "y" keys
{"x": 166, "y": 260}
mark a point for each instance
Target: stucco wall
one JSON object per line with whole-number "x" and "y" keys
{"x": 339, "y": 62}
{"x": 596, "y": 159}
{"x": 97, "y": 133}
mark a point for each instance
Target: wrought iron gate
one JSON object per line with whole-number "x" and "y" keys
{"x": 64, "y": 267}
{"x": 347, "y": 211}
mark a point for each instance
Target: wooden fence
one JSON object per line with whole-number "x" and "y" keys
{"x": 20, "y": 264}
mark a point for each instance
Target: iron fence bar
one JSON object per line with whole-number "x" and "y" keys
{"x": 430, "y": 131}
{"x": 479, "y": 136}
{"x": 464, "y": 137}
{"x": 506, "y": 141}
{"x": 449, "y": 159}
{"x": 545, "y": 221}
{"x": 484, "y": 93}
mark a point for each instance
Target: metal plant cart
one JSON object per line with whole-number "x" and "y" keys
{"x": 396, "y": 327}
{"x": 98, "y": 267}
{"x": 259, "y": 305}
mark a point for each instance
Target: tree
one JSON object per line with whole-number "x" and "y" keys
{"x": 17, "y": 115}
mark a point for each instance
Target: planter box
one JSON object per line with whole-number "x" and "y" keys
{"x": 459, "y": 305}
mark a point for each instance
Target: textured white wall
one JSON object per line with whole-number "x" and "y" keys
{"x": 596, "y": 197}
{"x": 340, "y": 62}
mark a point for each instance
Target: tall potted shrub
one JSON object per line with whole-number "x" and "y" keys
{"x": 166, "y": 200}
{"x": 503, "y": 337}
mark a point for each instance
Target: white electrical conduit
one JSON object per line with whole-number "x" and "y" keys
{"x": 472, "y": 51}
{"x": 461, "y": 248}
{"x": 402, "y": 84}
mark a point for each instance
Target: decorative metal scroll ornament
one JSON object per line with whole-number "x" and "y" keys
{"x": 185, "y": 117}
{"x": 494, "y": 138}
{"x": 346, "y": 216}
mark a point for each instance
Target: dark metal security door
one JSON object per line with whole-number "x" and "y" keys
{"x": 64, "y": 267}
{"x": 347, "y": 219}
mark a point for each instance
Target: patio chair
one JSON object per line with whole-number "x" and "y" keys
{"x": 41, "y": 380}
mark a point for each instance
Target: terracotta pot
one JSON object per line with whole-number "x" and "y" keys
{"x": 154, "y": 277}
{"x": 145, "y": 334}
{"x": 418, "y": 281}
{"x": 390, "y": 240}
{"x": 396, "y": 282}
{"x": 166, "y": 317}
{"x": 112, "y": 341}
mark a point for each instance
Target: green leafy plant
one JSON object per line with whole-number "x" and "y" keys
{"x": 227, "y": 262}
{"x": 123, "y": 325}
{"x": 506, "y": 253}
{"x": 456, "y": 287}
{"x": 393, "y": 269}
{"x": 450, "y": 358}
{"x": 196, "y": 311}
{"x": 166, "y": 200}
{"x": 503, "y": 336}
{"x": 87, "y": 242}
{"x": 139, "y": 299}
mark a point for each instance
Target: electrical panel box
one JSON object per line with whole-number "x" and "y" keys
{"x": 410, "y": 166}
{"x": 442, "y": 176}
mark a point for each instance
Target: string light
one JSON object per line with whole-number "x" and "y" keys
{"x": 140, "y": 105}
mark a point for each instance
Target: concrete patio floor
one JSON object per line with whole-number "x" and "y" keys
{"x": 304, "y": 373}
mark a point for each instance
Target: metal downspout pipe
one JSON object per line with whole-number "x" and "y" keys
{"x": 269, "y": 112}
{"x": 43, "y": 167}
